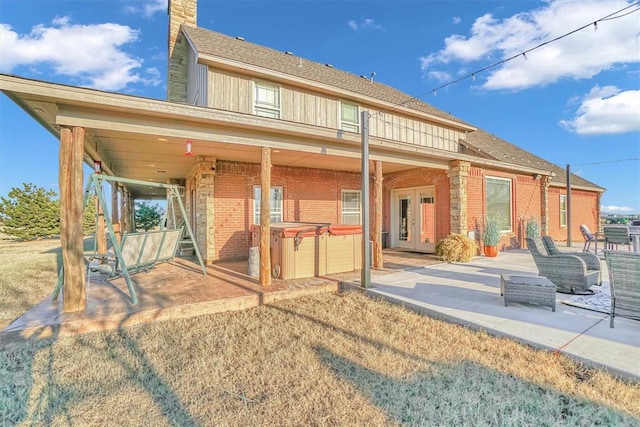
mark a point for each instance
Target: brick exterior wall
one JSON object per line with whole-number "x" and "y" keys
{"x": 309, "y": 195}
{"x": 420, "y": 178}
{"x": 526, "y": 202}
{"x": 584, "y": 210}
{"x": 314, "y": 195}
{"x": 199, "y": 196}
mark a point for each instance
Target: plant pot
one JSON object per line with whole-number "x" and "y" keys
{"x": 491, "y": 250}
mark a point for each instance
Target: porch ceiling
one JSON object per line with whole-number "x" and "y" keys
{"x": 145, "y": 139}
{"x": 148, "y": 143}
{"x": 159, "y": 158}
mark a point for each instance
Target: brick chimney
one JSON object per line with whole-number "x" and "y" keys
{"x": 180, "y": 12}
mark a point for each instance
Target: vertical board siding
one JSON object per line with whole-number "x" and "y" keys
{"x": 233, "y": 93}
{"x": 197, "y": 80}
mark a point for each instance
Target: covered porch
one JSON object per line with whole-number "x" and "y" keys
{"x": 168, "y": 142}
{"x": 178, "y": 290}
{"x": 463, "y": 293}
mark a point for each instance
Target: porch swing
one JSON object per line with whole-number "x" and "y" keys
{"x": 137, "y": 251}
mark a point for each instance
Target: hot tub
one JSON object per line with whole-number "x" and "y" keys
{"x": 312, "y": 249}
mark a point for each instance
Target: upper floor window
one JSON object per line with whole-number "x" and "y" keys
{"x": 498, "y": 191}
{"x": 351, "y": 205}
{"x": 275, "y": 204}
{"x": 267, "y": 100}
{"x": 563, "y": 210}
{"x": 349, "y": 117}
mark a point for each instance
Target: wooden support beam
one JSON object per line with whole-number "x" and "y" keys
{"x": 265, "y": 217}
{"x": 71, "y": 218}
{"x": 377, "y": 216}
{"x": 115, "y": 216}
{"x": 101, "y": 227}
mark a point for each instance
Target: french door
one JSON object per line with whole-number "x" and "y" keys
{"x": 413, "y": 219}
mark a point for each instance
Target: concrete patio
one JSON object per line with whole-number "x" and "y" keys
{"x": 464, "y": 293}
{"x": 469, "y": 294}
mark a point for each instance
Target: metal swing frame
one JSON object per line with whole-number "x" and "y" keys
{"x": 169, "y": 240}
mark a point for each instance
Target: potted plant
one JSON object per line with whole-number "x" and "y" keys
{"x": 533, "y": 228}
{"x": 491, "y": 236}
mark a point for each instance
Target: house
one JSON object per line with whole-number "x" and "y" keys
{"x": 258, "y": 136}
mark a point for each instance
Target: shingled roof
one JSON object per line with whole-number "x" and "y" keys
{"x": 488, "y": 145}
{"x": 215, "y": 44}
{"x": 479, "y": 142}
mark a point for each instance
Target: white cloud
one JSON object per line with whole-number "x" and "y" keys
{"x": 153, "y": 6}
{"x": 440, "y": 76}
{"x": 147, "y": 8}
{"x": 616, "y": 209}
{"x": 578, "y": 56}
{"x": 606, "y": 110}
{"x": 456, "y": 20}
{"x": 91, "y": 54}
{"x": 364, "y": 24}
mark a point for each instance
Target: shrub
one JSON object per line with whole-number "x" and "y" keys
{"x": 491, "y": 232}
{"x": 533, "y": 228}
{"x": 456, "y": 248}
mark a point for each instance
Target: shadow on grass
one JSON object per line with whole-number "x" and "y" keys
{"x": 467, "y": 393}
{"x": 464, "y": 393}
{"x": 34, "y": 392}
{"x": 17, "y": 358}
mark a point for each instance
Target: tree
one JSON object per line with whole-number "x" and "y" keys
{"x": 89, "y": 221}
{"x": 147, "y": 216}
{"x": 30, "y": 212}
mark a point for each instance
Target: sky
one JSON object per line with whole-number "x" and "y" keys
{"x": 573, "y": 101}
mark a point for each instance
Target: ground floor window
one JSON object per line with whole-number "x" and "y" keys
{"x": 563, "y": 210}
{"x": 498, "y": 193}
{"x": 275, "y": 204}
{"x": 351, "y": 207}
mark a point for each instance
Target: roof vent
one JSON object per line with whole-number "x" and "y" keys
{"x": 161, "y": 171}
{"x": 329, "y": 65}
{"x": 240, "y": 38}
{"x": 364, "y": 77}
{"x": 288, "y": 53}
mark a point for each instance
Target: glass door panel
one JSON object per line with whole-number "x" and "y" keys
{"x": 427, "y": 228}
{"x": 414, "y": 219}
{"x": 404, "y": 209}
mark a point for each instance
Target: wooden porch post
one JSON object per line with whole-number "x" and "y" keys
{"x": 265, "y": 217}
{"x": 71, "y": 214}
{"x": 377, "y": 216}
{"x": 115, "y": 217}
{"x": 101, "y": 231}
{"x": 123, "y": 210}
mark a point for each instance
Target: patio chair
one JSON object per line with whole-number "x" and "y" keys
{"x": 624, "y": 279}
{"x": 615, "y": 235}
{"x": 568, "y": 272}
{"x": 589, "y": 237}
{"x": 592, "y": 261}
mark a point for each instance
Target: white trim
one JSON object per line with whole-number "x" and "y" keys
{"x": 256, "y": 212}
{"x": 510, "y": 181}
{"x": 352, "y": 127}
{"x": 275, "y": 108}
{"x": 359, "y": 211}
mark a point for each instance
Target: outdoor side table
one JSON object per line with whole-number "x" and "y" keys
{"x": 529, "y": 289}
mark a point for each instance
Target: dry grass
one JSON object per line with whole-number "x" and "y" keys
{"x": 322, "y": 360}
{"x": 28, "y": 273}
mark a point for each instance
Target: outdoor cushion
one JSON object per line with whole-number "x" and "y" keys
{"x": 568, "y": 272}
